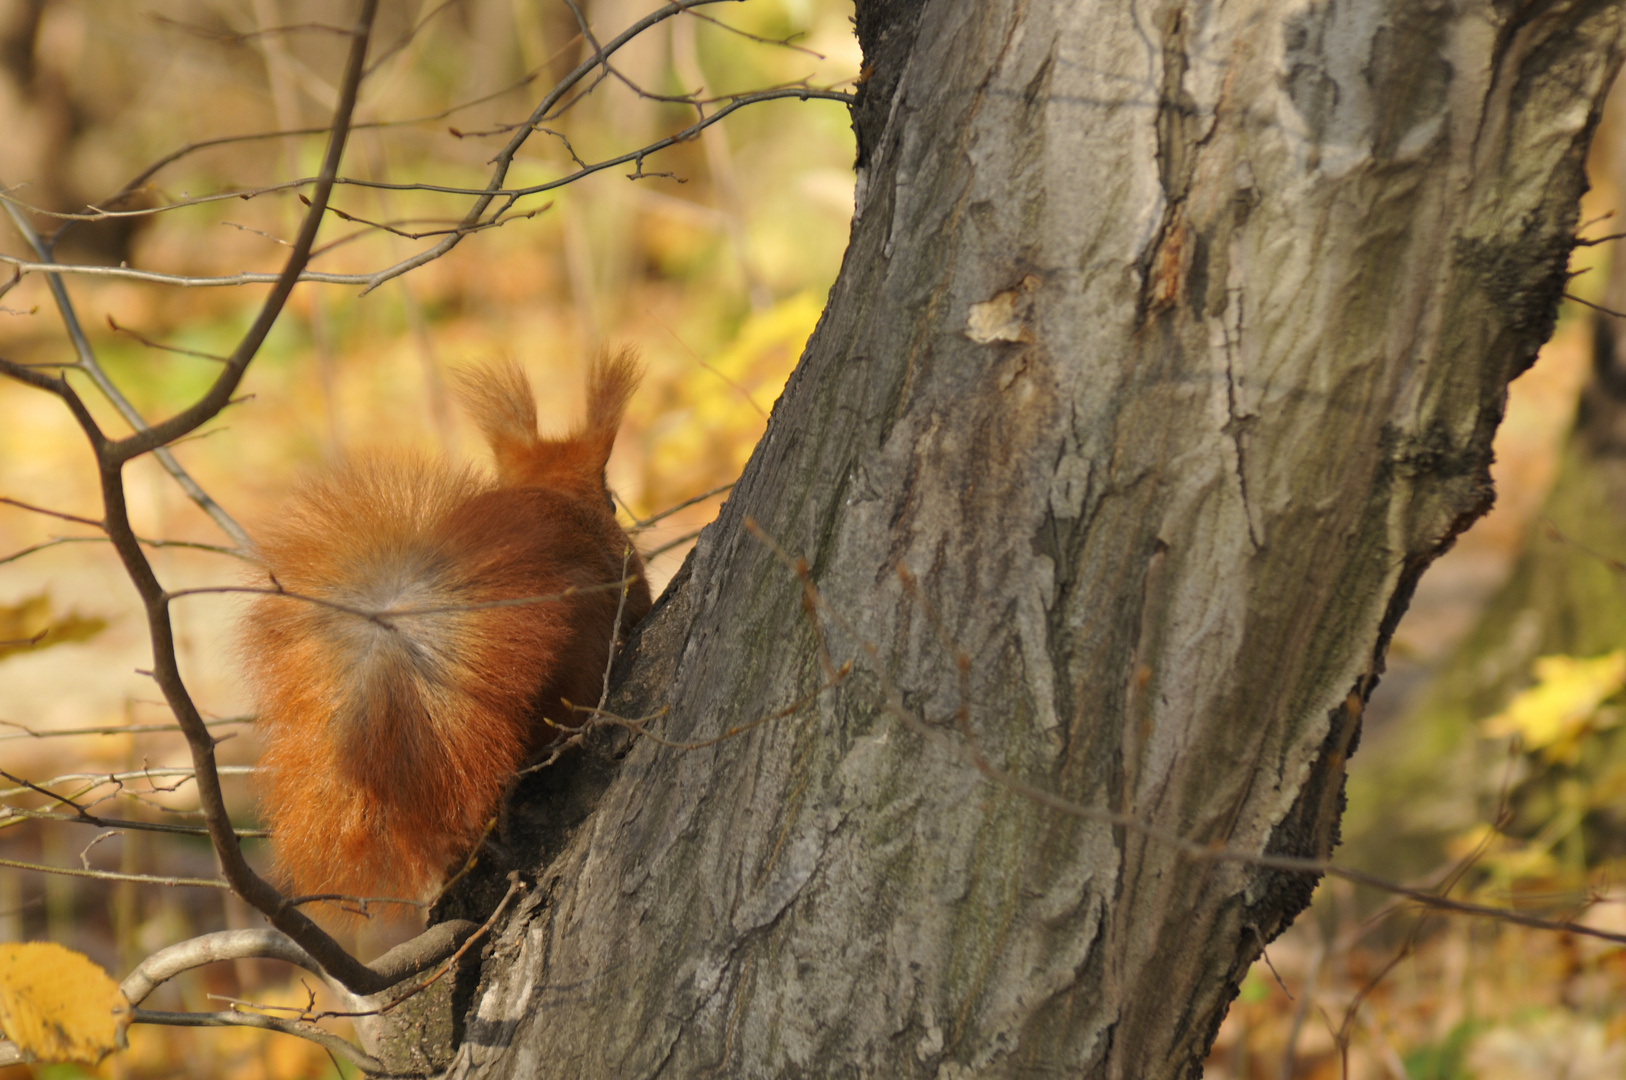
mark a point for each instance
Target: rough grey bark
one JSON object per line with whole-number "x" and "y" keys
{"x": 1166, "y": 354}
{"x": 1562, "y": 596}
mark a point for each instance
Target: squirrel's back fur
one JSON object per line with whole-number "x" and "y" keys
{"x": 430, "y": 634}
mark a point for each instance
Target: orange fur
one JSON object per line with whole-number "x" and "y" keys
{"x": 388, "y": 741}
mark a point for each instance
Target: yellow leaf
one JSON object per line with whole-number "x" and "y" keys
{"x": 720, "y": 409}
{"x": 1553, "y": 715}
{"x": 24, "y": 618}
{"x": 57, "y": 1005}
{"x": 1505, "y": 858}
{"x": 27, "y": 625}
{"x": 1479, "y": 839}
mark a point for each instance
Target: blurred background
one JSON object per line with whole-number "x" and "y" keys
{"x": 715, "y": 266}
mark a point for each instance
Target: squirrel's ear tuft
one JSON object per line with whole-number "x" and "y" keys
{"x": 498, "y": 396}
{"x": 610, "y": 385}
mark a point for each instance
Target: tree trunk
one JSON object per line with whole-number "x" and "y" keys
{"x": 1562, "y": 596}
{"x": 1166, "y": 354}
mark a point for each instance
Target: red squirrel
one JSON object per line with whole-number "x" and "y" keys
{"x": 398, "y": 687}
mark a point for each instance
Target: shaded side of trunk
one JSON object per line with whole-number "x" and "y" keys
{"x": 1166, "y": 355}
{"x": 1566, "y": 594}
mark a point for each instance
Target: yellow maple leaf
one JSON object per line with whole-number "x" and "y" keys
{"x": 1562, "y": 707}
{"x": 57, "y": 1005}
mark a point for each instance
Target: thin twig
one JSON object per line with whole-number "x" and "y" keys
{"x": 788, "y": 42}
{"x": 326, "y": 1040}
{"x": 382, "y": 616}
{"x": 469, "y": 863}
{"x": 58, "y": 541}
{"x": 677, "y": 541}
{"x": 98, "y": 779}
{"x": 1595, "y": 307}
{"x": 91, "y": 366}
{"x": 473, "y": 221}
{"x": 834, "y": 677}
{"x": 151, "y": 344}
{"x": 515, "y": 887}
{"x": 60, "y": 515}
{"x": 684, "y": 505}
{"x": 109, "y": 875}
{"x": 12, "y": 813}
{"x": 356, "y": 904}
{"x": 83, "y": 815}
{"x": 1558, "y": 534}
{"x": 26, "y": 732}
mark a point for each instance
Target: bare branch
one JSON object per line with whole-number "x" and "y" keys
{"x": 151, "y": 344}
{"x": 10, "y": 814}
{"x": 89, "y": 364}
{"x": 515, "y": 888}
{"x": 187, "y": 150}
{"x": 57, "y": 541}
{"x": 26, "y": 732}
{"x": 675, "y": 542}
{"x": 833, "y": 678}
{"x": 59, "y": 514}
{"x": 615, "y": 626}
{"x": 408, "y": 37}
{"x": 84, "y": 853}
{"x": 1558, "y": 534}
{"x": 243, "y": 37}
{"x": 784, "y": 42}
{"x": 684, "y": 505}
{"x": 184, "y": 281}
{"x": 383, "y": 616}
{"x": 442, "y": 945}
{"x": 169, "y": 962}
{"x": 380, "y": 226}
{"x": 326, "y": 1040}
{"x": 356, "y": 905}
{"x": 111, "y": 458}
{"x": 82, "y": 814}
{"x": 109, "y": 875}
{"x": 472, "y": 222}
{"x": 402, "y": 962}
{"x": 1595, "y": 307}
{"x": 98, "y": 779}
{"x": 538, "y": 115}
{"x": 235, "y": 553}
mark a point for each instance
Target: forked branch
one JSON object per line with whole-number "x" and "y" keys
{"x": 113, "y": 454}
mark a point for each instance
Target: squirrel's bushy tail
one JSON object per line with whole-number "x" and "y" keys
{"x": 433, "y": 625}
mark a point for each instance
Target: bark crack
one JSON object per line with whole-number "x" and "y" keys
{"x": 1181, "y": 138}
{"x": 1236, "y": 428}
